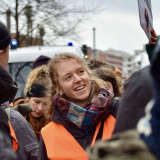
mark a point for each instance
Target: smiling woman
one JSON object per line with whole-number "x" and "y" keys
{"x": 73, "y": 82}
{"x": 82, "y": 110}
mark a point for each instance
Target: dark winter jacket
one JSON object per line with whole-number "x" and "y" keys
{"x": 149, "y": 126}
{"x": 27, "y": 140}
{"x": 8, "y": 88}
{"x": 137, "y": 93}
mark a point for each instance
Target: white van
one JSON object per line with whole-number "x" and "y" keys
{"x": 21, "y": 60}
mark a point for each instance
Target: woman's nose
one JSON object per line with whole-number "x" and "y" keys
{"x": 76, "y": 78}
{"x": 40, "y": 107}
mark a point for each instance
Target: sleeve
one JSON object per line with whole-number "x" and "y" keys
{"x": 27, "y": 140}
{"x": 42, "y": 154}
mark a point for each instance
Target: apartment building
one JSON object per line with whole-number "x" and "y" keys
{"x": 120, "y": 59}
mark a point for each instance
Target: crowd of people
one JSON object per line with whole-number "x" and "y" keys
{"x": 74, "y": 110}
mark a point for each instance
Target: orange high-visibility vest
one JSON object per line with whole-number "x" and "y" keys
{"x": 61, "y": 145}
{"x": 14, "y": 139}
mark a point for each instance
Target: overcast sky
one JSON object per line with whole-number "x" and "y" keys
{"x": 118, "y": 27}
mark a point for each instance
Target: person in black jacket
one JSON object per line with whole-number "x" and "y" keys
{"x": 6, "y": 151}
{"x": 137, "y": 93}
{"x": 12, "y": 121}
{"x": 149, "y": 126}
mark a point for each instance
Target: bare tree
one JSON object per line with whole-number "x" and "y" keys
{"x": 49, "y": 18}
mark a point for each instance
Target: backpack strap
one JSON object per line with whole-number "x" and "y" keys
{"x": 8, "y": 112}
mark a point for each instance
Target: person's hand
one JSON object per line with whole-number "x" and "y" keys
{"x": 153, "y": 37}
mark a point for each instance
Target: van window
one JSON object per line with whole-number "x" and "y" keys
{"x": 21, "y": 60}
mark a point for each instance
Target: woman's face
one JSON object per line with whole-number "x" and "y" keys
{"x": 38, "y": 105}
{"x": 74, "y": 82}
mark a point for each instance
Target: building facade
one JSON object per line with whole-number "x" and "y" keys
{"x": 122, "y": 60}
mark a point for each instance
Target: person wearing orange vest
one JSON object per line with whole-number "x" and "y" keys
{"x": 6, "y": 148}
{"x": 20, "y": 134}
{"x": 6, "y": 83}
{"x": 83, "y": 111}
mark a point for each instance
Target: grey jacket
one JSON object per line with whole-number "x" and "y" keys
{"x": 27, "y": 140}
{"x": 6, "y": 151}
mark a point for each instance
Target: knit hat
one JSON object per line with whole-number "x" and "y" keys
{"x": 5, "y": 37}
{"x": 41, "y": 60}
{"x": 36, "y": 90}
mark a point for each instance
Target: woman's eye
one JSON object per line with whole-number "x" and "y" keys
{"x": 81, "y": 72}
{"x": 37, "y": 102}
{"x": 68, "y": 78}
{"x": 45, "y": 104}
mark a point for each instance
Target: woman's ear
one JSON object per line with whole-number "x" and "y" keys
{"x": 1, "y": 52}
{"x": 58, "y": 90}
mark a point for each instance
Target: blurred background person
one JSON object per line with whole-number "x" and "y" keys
{"x": 39, "y": 97}
{"x": 113, "y": 75}
{"x": 137, "y": 93}
{"x": 107, "y": 73}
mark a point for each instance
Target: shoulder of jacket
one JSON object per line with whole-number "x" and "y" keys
{"x": 8, "y": 112}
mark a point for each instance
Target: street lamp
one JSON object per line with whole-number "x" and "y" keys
{"x": 94, "y": 42}
{"x": 8, "y": 13}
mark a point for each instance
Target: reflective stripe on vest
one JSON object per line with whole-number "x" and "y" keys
{"x": 14, "y": 139}
{"x": 61, "y": 145}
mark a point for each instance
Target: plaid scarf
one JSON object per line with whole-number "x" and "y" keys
{"x": 90, "y": 115}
